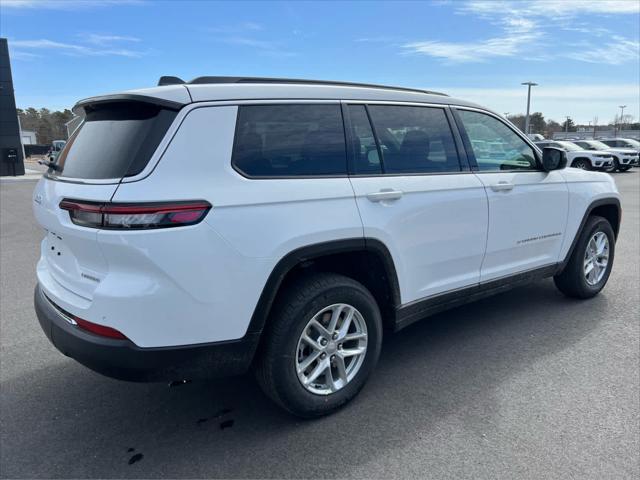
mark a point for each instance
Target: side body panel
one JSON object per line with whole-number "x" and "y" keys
{"x": 585, "y": 188}
{"x": 527, "y": 223}
{"x": 436, "y": 232}
{"x": 202, "y": 283}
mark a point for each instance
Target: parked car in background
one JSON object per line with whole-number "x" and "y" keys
{"x": 623, "y": 158}
{"x": 222, "y": 225}
{"x": 579, "y": 157}
{"x": 536, "y": 137}
{"x": 631, "y": 143}
{"x": 622, "y": 143}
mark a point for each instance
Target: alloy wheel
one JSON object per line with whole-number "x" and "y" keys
{"x": 596, "y": 258}
{"x": 331, "y": 349}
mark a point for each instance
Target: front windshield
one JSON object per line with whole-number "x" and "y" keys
{"x": 598, "y": 144}
{"x": 632, "y": 143}
{"x": 572, "y": 147}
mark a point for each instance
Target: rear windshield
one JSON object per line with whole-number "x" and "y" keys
{"x": 116, "y": 140}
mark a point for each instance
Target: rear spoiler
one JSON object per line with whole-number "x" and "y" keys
{"x": 79, "y": 108}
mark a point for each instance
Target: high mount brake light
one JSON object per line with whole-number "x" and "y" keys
{"x": 135, "y": 216}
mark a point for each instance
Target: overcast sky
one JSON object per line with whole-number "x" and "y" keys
{"x": 585, "y": 55}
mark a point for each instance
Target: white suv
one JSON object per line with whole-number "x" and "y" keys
{"x": 226, "y": 224}
{"x": 579, "y": 157}
{"x": 622, "y": 143}
{"x": 623, "y": 158}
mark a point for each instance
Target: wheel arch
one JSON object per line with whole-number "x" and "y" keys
{"x": 348, "y": 257}
{"x": 586, "y": 159}
{"x": 608, "y": 208}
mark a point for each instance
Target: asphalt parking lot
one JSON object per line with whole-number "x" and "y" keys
{"x": 527, "y": 384}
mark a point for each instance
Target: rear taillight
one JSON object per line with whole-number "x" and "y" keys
{"x": 135, "y": 216}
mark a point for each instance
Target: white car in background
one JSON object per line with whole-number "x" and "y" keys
{"x": 623, "y": 158}
{"x": 622, "y": 143}
{"x": 579, "y": 157}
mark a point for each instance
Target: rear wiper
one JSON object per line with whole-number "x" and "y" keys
{"x": 49, "y": 163}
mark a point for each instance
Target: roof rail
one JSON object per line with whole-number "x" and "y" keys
{"x": 215, "y": 79}
{"x": 169, "y": 80}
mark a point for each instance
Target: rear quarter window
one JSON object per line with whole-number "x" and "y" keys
{"x": 115, "y": 140}
{"x": 289, "y": 140}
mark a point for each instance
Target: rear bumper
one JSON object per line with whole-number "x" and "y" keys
{"x": 124, "y": 360}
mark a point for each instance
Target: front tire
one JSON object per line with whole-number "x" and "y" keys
{"x": 590, "y": 264}
{"x": 323, "y": 341}
{"x": 624, "y": 168}
{"x": 582, "y": 164}
{"x": 615, "y": 165}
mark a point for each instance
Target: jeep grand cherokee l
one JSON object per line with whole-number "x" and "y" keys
{"x": 283, "y": 226}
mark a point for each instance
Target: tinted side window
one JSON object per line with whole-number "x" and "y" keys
{"x": 290, "y": 140}
{"x": 365, "y": 150}
{"x": 414, "y": 139}
{"x": 495, "y": 145}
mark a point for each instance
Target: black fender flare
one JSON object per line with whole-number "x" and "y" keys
{"x": 310, "y": 252}
{"x": 592, "y": 206}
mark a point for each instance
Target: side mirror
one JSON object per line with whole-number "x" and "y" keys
{"x": 553, "y": 159}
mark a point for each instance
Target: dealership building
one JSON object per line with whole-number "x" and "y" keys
{"x": 11, "y": 153}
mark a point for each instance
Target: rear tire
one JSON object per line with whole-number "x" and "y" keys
{"x": 280, "y": 370}
{"x": 590, "y": 264}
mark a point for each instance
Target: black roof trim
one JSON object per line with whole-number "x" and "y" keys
{"x": 299, "y": 81}
{"x": 127, "y": 97}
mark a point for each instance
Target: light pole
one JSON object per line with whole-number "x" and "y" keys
{"x": 526, "y": 119}
{"x": 566, "y": 124}
{"x": 506, "y": 114}
{"x": 622, "y": 107}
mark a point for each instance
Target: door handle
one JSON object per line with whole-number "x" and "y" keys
{"x": 502, "y": 187}
{"x": 384, "y": 195}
